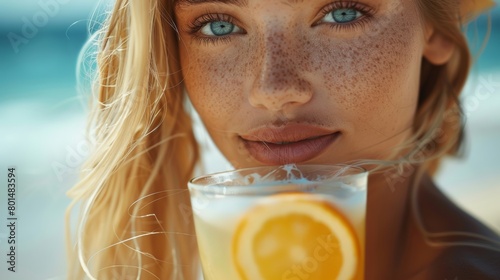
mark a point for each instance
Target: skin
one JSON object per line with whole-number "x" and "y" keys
{"x": 282, "y": 70}
{"x": 362, "y": 80}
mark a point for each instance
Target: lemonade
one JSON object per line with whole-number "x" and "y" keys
{"x": 280, "y": 227}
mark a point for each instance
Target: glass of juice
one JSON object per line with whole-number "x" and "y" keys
{"x": 290, "y": 222}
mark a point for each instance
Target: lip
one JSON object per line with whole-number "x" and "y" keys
{"x": 288, "y": 144}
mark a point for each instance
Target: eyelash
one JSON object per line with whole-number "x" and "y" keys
{"x": 200, "y": 22}
{"x": 366, "y": 14}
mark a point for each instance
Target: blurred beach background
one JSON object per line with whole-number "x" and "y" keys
{"x": 42, "y": 121}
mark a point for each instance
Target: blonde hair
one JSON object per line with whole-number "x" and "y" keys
{"x": 134, "y": 222}
{"x": 144, "y": 148}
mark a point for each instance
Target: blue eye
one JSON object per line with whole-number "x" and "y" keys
{"x": 344, "y": 15}
{"x": 219, "y": 28}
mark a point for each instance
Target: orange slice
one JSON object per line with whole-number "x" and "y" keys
{"x": 294, "y": 237}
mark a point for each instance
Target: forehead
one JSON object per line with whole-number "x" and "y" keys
{"x": 230, "y": 2}
{"x": 233, "y": 2}
{"x": 246, "y": 3}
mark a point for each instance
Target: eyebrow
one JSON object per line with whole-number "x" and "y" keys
{"x": 230, "y": 2}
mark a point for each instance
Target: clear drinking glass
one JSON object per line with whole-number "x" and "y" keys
{"x": 281, "y": 222}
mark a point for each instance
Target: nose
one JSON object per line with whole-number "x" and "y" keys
{"x": 279, "y": 84}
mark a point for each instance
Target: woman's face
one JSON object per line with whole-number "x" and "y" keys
{"x": 289, "y": 81}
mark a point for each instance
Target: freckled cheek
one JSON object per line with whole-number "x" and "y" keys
{"x": 214, "y": 87}
{"x": 369, "y": 78}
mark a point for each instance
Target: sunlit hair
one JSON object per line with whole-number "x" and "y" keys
{"x": 144, "y": 147}
{"x": 135, "y": 220}
{"x": 439, "y": 121}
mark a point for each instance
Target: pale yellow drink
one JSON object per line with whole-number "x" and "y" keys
{"x": 218, "y": 213}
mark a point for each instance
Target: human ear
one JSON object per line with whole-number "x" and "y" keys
{"x": 438, "y": 48}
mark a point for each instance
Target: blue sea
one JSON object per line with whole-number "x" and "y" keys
{"x": 42, "y": 119}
